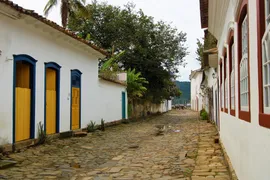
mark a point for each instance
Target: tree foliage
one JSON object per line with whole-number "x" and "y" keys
{"x": 156, "y": 49}
{"x": 111, "y": 63}
{"x": 68, "y": 7}
{"x": 199, "y": 52}
{"x": 135, "y": 84}
{"x": 110, "y": 68}
{"x": 207, "y": 43}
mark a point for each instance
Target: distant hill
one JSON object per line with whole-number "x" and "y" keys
{"x": 185, "y": 89}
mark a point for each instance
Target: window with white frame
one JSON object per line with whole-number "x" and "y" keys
{"x": 221, "y": 87}
{"x": 221, "y": 95}
{"x": 244, "y": 91}
{"x": 267, "y": 12}
{"x": 232, "y": 77}
{"x": 226, "y": 93}
{"x": 266, "y": 60}
{"x": 225, "y": 83}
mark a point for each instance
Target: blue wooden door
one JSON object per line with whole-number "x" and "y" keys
{"x": 123, "y": 105}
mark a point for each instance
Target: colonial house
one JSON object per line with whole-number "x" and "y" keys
{"x": 196, "y": 97}
{"x": 241, "y": 81}
{"x": 49, "y": 75}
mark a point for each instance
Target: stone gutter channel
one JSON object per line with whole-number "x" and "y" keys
{"x": 210, "y": 161}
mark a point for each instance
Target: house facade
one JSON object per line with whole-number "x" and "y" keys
{"x": 195, "y": 90}
{"x": 49, "y": 75}
{"x": 242, "y": 28}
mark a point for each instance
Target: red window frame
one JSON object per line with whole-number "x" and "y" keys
{"x": 242, "y": 13}
{"x": 231, "y": 42}
{"x": 220, "y": 94}
{"x": 264, "y": 119}
{"x": 225, "y": 76}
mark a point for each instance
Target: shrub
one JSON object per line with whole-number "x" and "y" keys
{"x": 204, "y": 114}
{"x": 125, "y": 121}
{"x": 91, "y": 127}
{"x": 129, "y": 110}
{"x": 102, "y": 125}
{"x": 203, "y": 110}
{"x": 42, "y": 137}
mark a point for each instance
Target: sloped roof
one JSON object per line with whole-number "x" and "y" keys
{"x": 193, "y": 72}
{"x": 204, "y": 13}
{"x": 52, "y": 24}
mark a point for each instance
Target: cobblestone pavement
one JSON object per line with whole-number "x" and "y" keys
{"x": 185, "y": 151}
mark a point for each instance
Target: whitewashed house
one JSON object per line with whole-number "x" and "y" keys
{"x": 195, "y": 88}
{"x": 243, "y": 55}
{"x": 49, "y": 75}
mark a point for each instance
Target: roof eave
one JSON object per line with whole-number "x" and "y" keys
{"x": 52, "y": 24}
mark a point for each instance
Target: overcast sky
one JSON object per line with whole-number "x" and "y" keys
{"x": 183, "y": 14}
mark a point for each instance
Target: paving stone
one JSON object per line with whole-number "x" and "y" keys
{"x": 7, "y": 163}
{"x": 115, "y": 169}
{"x": 189, "y": 161}
{"x": 117, "y": 158}
{"x": 127, "y": 152}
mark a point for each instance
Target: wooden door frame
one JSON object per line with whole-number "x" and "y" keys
{"x": 78, "y": 73}
{"x": 30, "y": 60}
{"x": 57, "y": 68}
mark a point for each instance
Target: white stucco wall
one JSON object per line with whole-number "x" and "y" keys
{"x": 17, "y": 37}
{"x": 109, "y": 106}
{"x": 169, "y": 105}
{"x": 247, "y": 144}
{"x": 195, "y": 84}
{"x": 210, "y": 82}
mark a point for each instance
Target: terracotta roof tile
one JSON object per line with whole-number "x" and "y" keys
{"x": 52, "y": 24}
{"x": 204, "y": 13}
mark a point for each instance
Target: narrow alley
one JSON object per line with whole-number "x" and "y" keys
{"x": 185, "y": 150}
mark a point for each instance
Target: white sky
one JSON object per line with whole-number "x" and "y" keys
{"x": 183, "y": 14}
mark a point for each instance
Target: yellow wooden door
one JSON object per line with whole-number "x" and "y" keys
{"x": 50, "y": 101}
{"x": 23, "y": 102}
{"x": 75, "y": 108}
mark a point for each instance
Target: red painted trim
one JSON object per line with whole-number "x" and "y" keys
{"x": 231, "y": 42}
{"x": 243, "y": 115}
{"x": 240, "y": 10}
{"x": 264, "y": 119}
{"x": 220, "y": 89}
{"x": 225, "y": 76}
{"x": 232, "y": 112}
{"x": 220, "y": 62}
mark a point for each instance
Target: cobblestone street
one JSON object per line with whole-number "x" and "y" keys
{"x": 129, "y": 151}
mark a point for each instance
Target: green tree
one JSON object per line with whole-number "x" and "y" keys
{"x": 110, "y": 68}
{"x": 199, "y": 52}
{"x": 207, "y": 43}
{"x": 68, "y": 7}
{"x": 155, "y": 49}
{"x": 135, "y": 84}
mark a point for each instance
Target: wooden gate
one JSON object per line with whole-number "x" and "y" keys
{"x": 50, "y": 101}
{"x": 23, "y": 102}
{"x": 75, "y": 108}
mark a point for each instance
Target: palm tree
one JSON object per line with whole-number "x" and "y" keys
{"x": 67, "y": 8}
